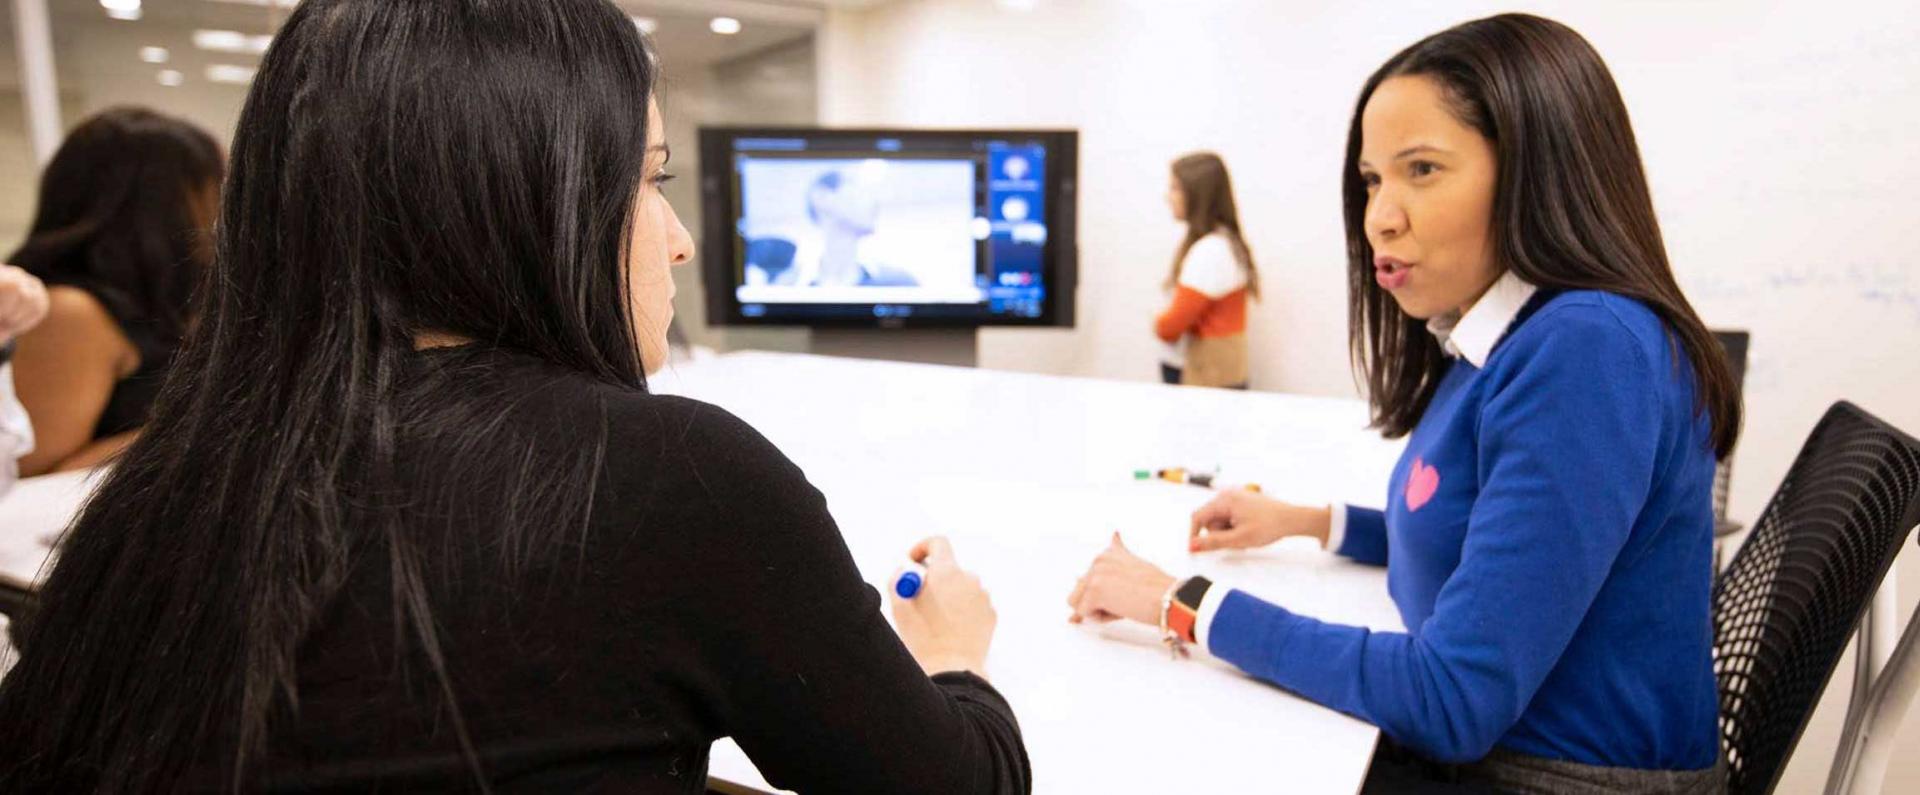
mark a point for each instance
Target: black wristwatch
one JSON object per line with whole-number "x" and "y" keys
{"x": 1193, "y": 592}
{"x": 1183, "y": 609}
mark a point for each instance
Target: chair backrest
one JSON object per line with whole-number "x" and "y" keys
{"x": 6, "y": 647}
{"x": 1785, "y": 609}
{"x": 15, "y": 599}
{"x": 1735, "y": 343}
{"x": 16, "y": 602}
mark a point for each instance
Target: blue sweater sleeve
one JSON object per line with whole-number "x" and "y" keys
{"x": 1366, "y": 539}
{"x": 1567, "y": 454}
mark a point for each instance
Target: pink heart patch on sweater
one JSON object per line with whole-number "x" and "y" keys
{"x": 1422, "y": 482}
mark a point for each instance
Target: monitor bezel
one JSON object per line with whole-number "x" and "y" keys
{"x": 718, "y": 242}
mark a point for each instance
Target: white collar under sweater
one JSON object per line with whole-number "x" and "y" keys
{"x": 1472, "y": 336}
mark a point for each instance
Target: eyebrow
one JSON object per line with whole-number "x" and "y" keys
{"x": 1411, "y": 150}
{"x": 663, "y": 149}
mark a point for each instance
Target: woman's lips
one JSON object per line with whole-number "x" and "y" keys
{"x": 1390, "y": 273}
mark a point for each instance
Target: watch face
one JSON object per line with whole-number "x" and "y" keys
{"x": 1192, "y": 591}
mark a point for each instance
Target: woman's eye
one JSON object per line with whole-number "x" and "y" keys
{"x": 663, "y": 178}
{"x": 1370, "y": 180}
{"x": 1421, "y": 168}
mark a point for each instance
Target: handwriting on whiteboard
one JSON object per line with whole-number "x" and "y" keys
{"x": 1774, "y": 302}
{"x": 1889, "y": 287}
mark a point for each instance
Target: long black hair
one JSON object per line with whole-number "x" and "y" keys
{"x": 1571, "y": 208}
{"x": 463, "y": 167}
{"x": 126, "y": 212}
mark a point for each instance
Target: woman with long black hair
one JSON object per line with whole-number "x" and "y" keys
{"x": 1549, "y": 530}
{"x": 405, "y": 515}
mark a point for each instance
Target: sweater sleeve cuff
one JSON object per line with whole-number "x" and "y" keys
{"x": 1209, "y": 605}
{"x": 1337, "y": 529}
{"x": 1363, "y": 535}
{"x": 1248, "y": 629}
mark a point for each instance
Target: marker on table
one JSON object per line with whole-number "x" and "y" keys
{"x": 1175, "y": 475}
{"x": 1179, "y": 475}
{"x": 911, "y": 581}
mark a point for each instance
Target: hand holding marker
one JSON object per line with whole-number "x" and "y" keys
{"x": 946, "y": 621}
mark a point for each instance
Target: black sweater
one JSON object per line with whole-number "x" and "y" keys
{"x": 709, "y": 595}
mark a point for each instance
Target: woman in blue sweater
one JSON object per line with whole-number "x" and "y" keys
{"x": 1548, "y": 531}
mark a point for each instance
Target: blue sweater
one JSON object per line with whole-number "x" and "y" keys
{"x": 1551, "y": 532}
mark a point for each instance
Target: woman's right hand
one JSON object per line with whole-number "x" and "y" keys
{"x": 949, "y": 623}
{"x": 1241, "y": 519}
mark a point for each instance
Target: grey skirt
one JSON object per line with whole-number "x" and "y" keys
{"x": 1508, "y": 771}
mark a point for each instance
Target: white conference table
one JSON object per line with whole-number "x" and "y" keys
{"x": 32, "y": 516}
{"x": 1029, "y": 475}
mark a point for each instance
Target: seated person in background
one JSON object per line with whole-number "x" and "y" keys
{"x": 23, "y": 303}
{"x": 121, "y": 239}
{"x": 847, "y": 213}
{"x": 407, "y": 517}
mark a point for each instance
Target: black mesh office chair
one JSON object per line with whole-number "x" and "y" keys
{"x": 15, "y": 599}
{"x": 1787, "y": 606}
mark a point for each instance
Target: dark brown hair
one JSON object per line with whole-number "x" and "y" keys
{"x": 1571, "y": 208}
{"x": 126, "y": 212}
{"x": 1210, "y": 208}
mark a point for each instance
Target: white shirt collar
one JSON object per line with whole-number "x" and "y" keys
{"x": 1473, "y": 335}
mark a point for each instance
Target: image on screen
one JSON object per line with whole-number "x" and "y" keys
{"x": 887, "y": 227}
{"x": 843, "y": 230}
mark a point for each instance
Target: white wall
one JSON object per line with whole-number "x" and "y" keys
{"x": 19, "y": 174}
{"x": 775, "y": 86}
{"x": 97, "y": 67}
{"x": 1776, "y": 136}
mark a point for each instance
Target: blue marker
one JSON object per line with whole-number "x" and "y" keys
{"x": 911, "y": 581}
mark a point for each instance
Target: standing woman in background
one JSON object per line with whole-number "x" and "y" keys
{"x": 121, "y": 237}
{"x": 1205, "y": 328}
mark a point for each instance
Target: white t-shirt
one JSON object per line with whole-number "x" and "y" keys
{"x": 16, "y": 431}
{"x": 1210, "y": 270}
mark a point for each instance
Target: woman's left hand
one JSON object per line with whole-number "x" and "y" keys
{"x": 1120, "y": 585}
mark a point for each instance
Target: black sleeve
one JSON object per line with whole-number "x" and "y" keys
{"x": 815, "y": 686}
